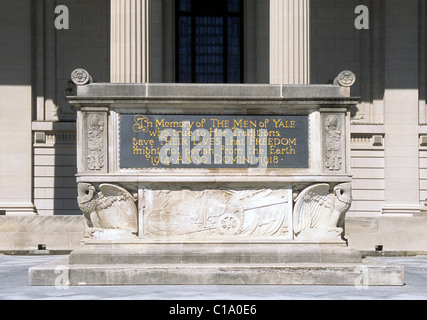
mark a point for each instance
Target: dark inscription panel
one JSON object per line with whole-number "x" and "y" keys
{"x": 196, "y": 141}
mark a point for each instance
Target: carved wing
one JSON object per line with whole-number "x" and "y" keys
{"x": 311, "y": 205}
{"x": 117, "y": 209}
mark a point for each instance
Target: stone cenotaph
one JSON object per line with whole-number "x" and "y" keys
{"x": 214, "y": 184}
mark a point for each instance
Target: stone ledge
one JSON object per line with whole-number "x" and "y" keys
{"x": 189, "y": 91}
{"x": 215, "y": 253}
{"x": 366, "y": 274}
{"x": 177, "y": 176}
{"x": 190, "y": 97}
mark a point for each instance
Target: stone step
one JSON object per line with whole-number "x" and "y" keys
{"x": 268, "y": 253}
{"x": 349, "y": 274}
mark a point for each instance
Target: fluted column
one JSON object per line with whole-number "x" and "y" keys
{"x": 130, "y": 45}
{"x": 289, "y": 41}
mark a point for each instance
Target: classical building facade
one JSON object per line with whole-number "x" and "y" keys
{"x": 297, "y": 42}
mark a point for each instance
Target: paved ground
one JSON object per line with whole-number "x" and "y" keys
{"x": 14, "y": 285}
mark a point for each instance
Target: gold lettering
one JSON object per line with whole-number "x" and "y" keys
{"x": 284, "y": 124}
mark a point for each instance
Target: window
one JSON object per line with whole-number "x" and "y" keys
{"x": 209, "y": 41}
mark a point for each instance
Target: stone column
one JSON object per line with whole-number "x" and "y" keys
{"x": 401, "y": 97}
{"x": 16, "y": 102}
{"x": 289, "y": 41}
{"x": 130, "y": 48}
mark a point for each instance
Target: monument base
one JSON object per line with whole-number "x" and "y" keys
{"x": 101, "y": 263}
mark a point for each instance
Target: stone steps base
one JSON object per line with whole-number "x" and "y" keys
{"x": 61, "y": 273}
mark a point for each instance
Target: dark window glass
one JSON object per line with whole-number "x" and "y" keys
{"x": 209, "y": 41}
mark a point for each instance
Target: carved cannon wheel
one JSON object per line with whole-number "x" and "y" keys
{"x": 229, "y": 224}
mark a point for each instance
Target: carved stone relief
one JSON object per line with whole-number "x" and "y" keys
{"x": 319, "y": 213}
{"x": 110, "y": 211}
{"x": 333, "y": 143}
{"x": 215, "y": 213}
{"x": 346, "y": 78}
{"x": 81, "y": 77}
{"x": 96, "y": 143}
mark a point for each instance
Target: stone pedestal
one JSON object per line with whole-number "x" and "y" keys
{"x": 214, "y": 184}
{"x": 136, "y": 263}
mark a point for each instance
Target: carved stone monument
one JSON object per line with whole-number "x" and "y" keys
{"x": 214, "y": 184}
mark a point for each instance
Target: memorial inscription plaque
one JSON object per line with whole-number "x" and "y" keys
{"x": 217, "y": 141}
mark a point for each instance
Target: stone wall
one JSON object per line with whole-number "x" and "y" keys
{"x": 38, "y": 158}
{"x": 54, "y": 170}
{"x": 32, "y": 233}
{"x": 84, "y": 44}
{"x": 388, "y": 125}
{"x": 388, "y": 234}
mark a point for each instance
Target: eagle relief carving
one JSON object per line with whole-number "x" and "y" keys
{"x": 319, "y": 212}
{"x": 111, "y": 212}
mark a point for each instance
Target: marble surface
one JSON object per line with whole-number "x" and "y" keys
{"x": 14, "y": 285}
